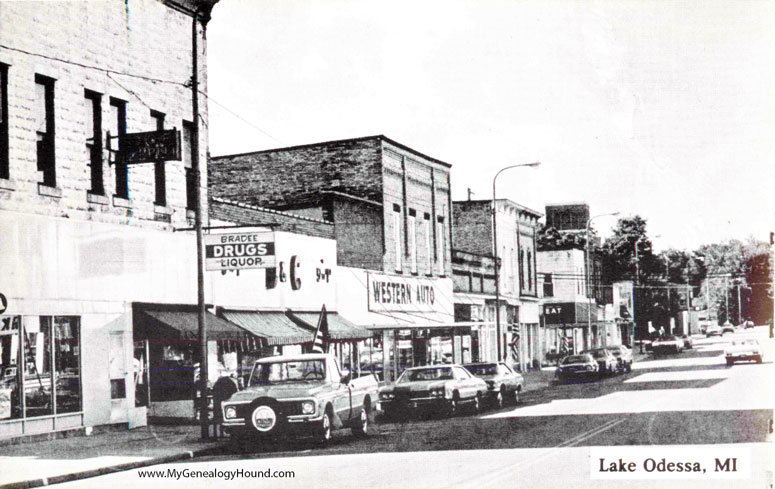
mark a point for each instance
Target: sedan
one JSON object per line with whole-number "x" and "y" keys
{"x": 623, "y": 357}
{"x": 713, "y": 330}
{"x": 668, "y": 344}
{"x": 606, "y": 361}
{"x": 727, "y": 328}
{"x": 576, "y": 366}
{"x": 439, "y": 388}
{"x": 740, "y": 351}
{"x": 503, "y": 384}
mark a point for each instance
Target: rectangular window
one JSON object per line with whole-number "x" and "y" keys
{"x": 428, "y": 249}
{"x": 397, "y": 235}
{"x": 188, "y": 131}
{"x": 412, "y": 240}
{"x": 529, "y": 271}
{"x": 44, "y": 128}
{"x": 4, "y": 160}
{"x": 158, "y": 167}
{"x": 117, "y": 129}
{"x": 93, "y": 120}
{"x": 548, "y": 285}
{"x": 440, "y": 245}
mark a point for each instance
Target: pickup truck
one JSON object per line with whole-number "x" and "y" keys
{"x": 304, "y": 394}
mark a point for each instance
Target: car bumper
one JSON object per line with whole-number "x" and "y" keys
{"x": 412, "y": 404}
{"x": 740, "y": 357}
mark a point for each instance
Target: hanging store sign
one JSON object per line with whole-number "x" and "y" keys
{"x": 402, "y": 294}
{"x": 239, "y": 251}
{"x": 149, "y": 147}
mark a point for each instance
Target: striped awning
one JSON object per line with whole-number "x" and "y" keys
{"x": 181, "y": 322}
{"x": 339, "y": 328}
{"x": 275, "y": 326}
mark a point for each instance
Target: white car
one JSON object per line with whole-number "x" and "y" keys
{"x": 745, "y": 350}
{"x": 668, "y": 344}
{"x": 713, "y": 330}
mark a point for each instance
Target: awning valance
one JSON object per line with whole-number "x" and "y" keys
{"x": 275, "y": 326}
{"x": 339, "y": 328}
{"x": 181, "y": 322}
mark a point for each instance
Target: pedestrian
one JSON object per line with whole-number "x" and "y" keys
{"x": 223, "y": 389}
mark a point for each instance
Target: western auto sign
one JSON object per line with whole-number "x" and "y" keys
{"x": 239, "y": 251}
{"x": 149, "y": 147}
{"x": 402, "y": 294}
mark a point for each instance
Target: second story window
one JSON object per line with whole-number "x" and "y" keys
{"x": 548, "y": 285}
{"x": 118, "y": 123}
{"x": 188, "y": 131}
{"x": 529, "y": 271}
{"x": 93, "y": 121}
{"x": 44, "y": 128}
{"x": 428, "y": 249}
{"x": 397, "y": 235}
{"x": 160, "y": 178}
{"x": 440, "y": 245}
{"x": 412, "y": 239}
{"x": 4, "y": 161}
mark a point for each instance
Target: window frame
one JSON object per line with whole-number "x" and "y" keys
{"x": 94, "y": 148}
{"x": 121, "y": 169}
{"x": 46, "y": 140}
{"x": 5, "y": 162}
{"x": 159, "y": 170}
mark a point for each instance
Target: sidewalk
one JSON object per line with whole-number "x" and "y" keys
{"x": 36, "y": 464}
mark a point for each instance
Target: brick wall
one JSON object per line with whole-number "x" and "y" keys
{"x": 472, "y": 221}
{"x": 294, "y": 177}
{"x": 140, "y": 37}
{"x": 245, "y": 214}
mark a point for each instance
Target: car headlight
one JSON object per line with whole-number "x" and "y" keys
{"x": 307, "y": 407}
{"x": 437, "y": 392}
{"x": 230, "y": 413}
{"x": 386, "y": 396}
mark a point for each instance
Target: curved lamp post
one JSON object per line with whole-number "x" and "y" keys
{"x": 495, "y": 252}
{"x": 586, "y": 259}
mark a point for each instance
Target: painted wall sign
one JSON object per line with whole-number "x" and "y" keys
{"x": 239, "y": 251}
{"x": 402, "y": 294}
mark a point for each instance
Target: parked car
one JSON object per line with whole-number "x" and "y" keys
{"x": 745, "y": 350}
{"x": 667, "y": 344}
{"x": 688, "y": 342}
{"x": 748, "y": 324}
{"x": 303, "y": 394}
{"x": 503, "y": 384}
{"x": 577, "y": 366}
{"x": 623, "y": 357}
{"x": 727, "y": 328}
{"x": 713, "y": 330}
{"x": 606, "y": 361}
{"x": 441, "y": 388}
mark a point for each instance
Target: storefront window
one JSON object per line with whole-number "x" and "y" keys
{"x": 10, "y": 402}
{"x": 38, "y": 400}
{"x": 67, "y": 355}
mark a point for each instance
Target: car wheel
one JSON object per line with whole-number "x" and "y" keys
{"x": 324, "y": 432}
{"x": 500, "y": 397}
{"x": 453, "y": 405}
{"x": 758, "y": 359}
{"x": 515, "y": 396}
{"x": 730, "y": 362}
{"x": 361, "y": 428}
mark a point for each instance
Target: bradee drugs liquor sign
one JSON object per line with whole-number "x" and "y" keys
{"x": 239, "y": 251}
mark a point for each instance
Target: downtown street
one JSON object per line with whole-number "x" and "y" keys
{"x": 691, "y": 399}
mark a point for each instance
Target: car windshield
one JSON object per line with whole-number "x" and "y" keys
{"x": 483, "y": 369}
{"x": 420, "y": 374}
{"x": 615, "y": 350}
{"x": 597, "y": 353}
{"x": 288, "y": 371}
{"x": 575, "y": 359}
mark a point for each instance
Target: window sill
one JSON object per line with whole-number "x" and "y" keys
{"x": 121, "y": 202}
{"x": 6, "y": 184}
{"x": 97, "y": 198}
{"x": 162, "y": 210}
{"x": 49, "y": 191}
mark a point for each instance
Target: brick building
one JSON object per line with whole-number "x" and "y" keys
{"x": 390, "y": 208}
{"x": 519, "y": 303}
{"x": 82, "y": 236}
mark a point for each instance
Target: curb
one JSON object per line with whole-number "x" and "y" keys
{"x": 58, "y": 479}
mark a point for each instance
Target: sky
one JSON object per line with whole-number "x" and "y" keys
{"x": 660, "y": 109}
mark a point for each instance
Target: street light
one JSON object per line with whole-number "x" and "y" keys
{"x": 586, "y": 259}
{"x": 495, "y": 252}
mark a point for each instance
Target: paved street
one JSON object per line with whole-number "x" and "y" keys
{"x": 691, "y": 398}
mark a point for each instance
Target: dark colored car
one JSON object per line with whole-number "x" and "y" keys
{"x": 606, "y": 361}
{"x": 576, "y": 367}
{"x": 440, "y": 388}
{"x": 623, "y": 357}
{"x": 503, "y": 384}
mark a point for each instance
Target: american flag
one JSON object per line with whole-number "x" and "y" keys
{"x": 321, "y": 333}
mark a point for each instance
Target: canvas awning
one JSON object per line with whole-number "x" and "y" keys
{"x": 339, "y": 328}
{"x": 181, "y": 322}
{"x": 275, "y": 326}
